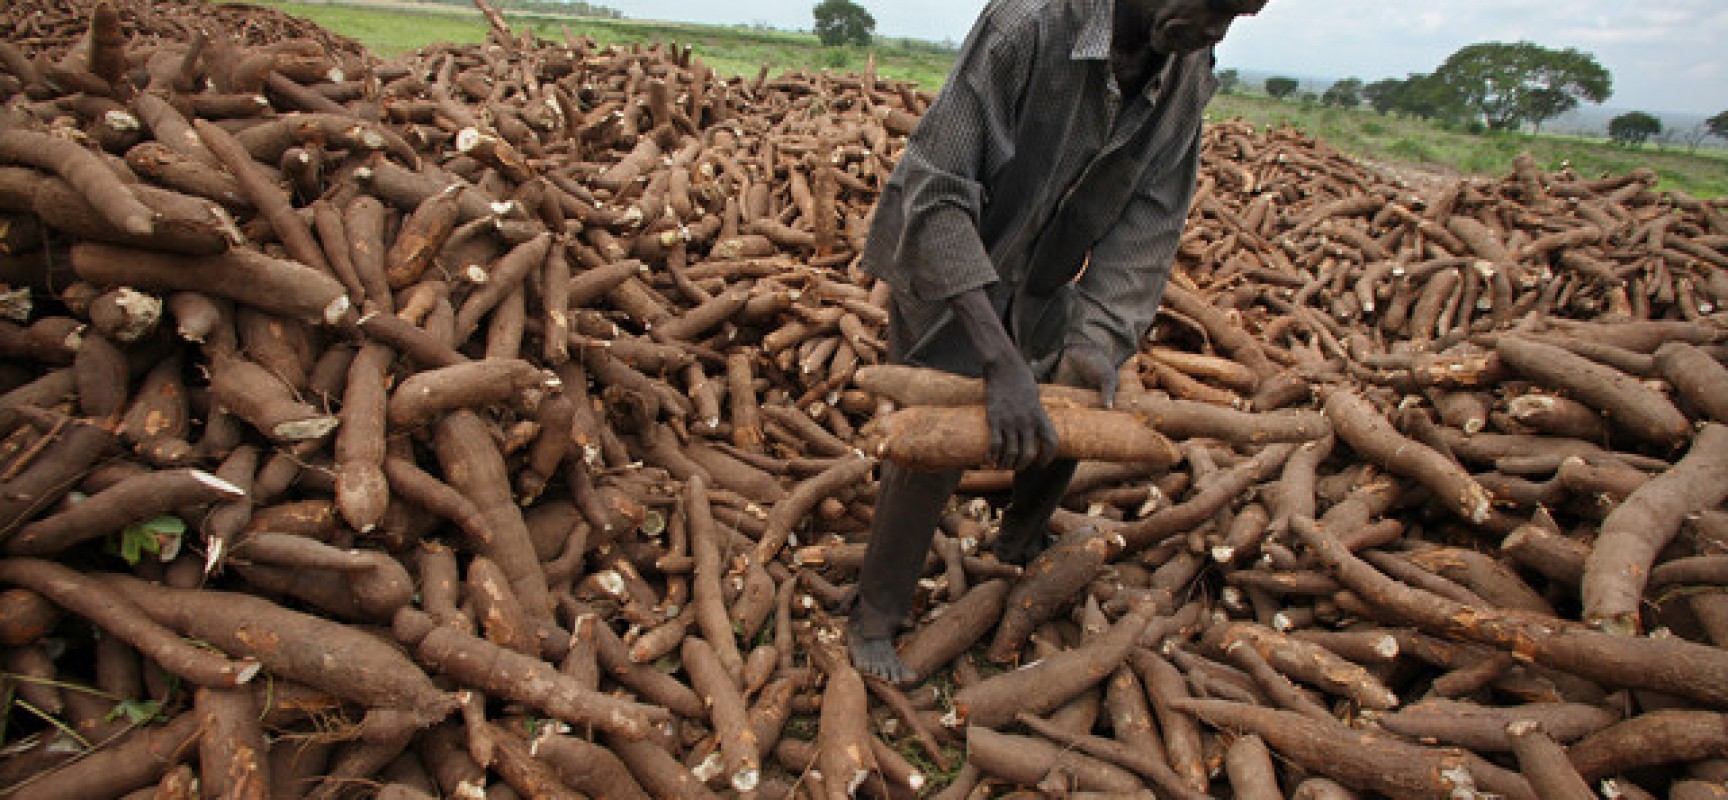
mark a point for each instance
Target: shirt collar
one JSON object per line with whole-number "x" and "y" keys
{"x": 1093, "y": 43}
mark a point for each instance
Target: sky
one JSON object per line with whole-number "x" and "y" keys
{"x": 1667, "y": 56}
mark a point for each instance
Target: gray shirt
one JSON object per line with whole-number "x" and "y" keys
{"x": 1031, "y": 174}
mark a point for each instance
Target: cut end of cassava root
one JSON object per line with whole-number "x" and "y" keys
{"x": 301, "y": 430}
{"x": 221, "y": 486}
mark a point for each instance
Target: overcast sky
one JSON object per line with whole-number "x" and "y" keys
{"x": 1665, "y": 56}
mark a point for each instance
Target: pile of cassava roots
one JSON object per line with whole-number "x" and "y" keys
{"x": 504, "y": 420}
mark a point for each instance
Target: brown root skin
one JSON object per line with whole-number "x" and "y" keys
{"x": 88, "y": 598}
{"x": 256, "y": 395}
{"x": 1186, "y": 419}
{"x": 1666, "y": 736}
{"x": 1483, "y": 728}
{"x": 1365, "y": 760}
{"x": 474, "y": 467}
{"x": 843, "y": 737}
{"x": 728, "y": 715}
{"x": 186, "y": 174}
{"x": 85, "y": 172}
{"x": 1177, "y": 419}
{"x": 427, "y": 395}
{"x": 1223, "y": 489}
{"x": 1360, "y": 425}
{"x": 1701, "y": 380}
{"x": 422, "y": 235}
{"x": 1046, "y": 685}
{"x": 1543, "y": 762}
{"x": 789, "y": 512}
{"x": 143, "y": 496}
{"x": 272, "y": 202}
{"x": 135, "y": 762}
{"x": 408, "y": 482}
{"x": 965, "y": 621}
{"x": 25, "y": 616}
{"x": 935, "y": 438}
{"x": 1630, "y": 405}
{"x": 588, "y": 767}
{"x": 344, "y": 661}
{"x": 525, "y": 679}
{"x": 707, "y": 548}
{"x": 502, "y": 618}
{"x": 505, "y": 276}
{"x": 232, "y": 752}
{"x": 362, "y": 490}
{"x": 242, "y": 275}
{"x": 1619, "y": 564}
{"x": 1026, "y": 760}
{"x": 54, "y": 473}
{"x": 184, "y": 224}
{"x": 1049, "y": 584}
{"x": 1306, "y": 662}
{"x": 661, "y": 774}
{"x": 917, "y": 386}
{"x": 372, "y": 582}
{"x": 1666, "y": 664}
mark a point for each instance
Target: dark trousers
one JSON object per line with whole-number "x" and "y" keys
{"x": 908, "y": 508}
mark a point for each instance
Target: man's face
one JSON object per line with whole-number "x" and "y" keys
{"x": 1181, "y": 26}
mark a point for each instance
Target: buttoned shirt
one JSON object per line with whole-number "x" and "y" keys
{"x": 1031, "y": 174}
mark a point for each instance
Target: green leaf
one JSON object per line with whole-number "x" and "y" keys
{"x": 166, "y": 526}
{"x": 131, "y": 546}
{"x": 136, "y": 712}
{"x": 158, "y": 537}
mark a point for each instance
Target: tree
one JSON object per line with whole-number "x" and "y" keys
{"x": 841, "y": 22}
{"x": 1346, "y": 93}
{"x": 1228, "y": 81}
{"x": 1718, "y": 125}
{"x": 1419, "y": 95}
{"x": 1633, "y": 128}
{"x": 1281, "y": 87}
{"x": 1505, "y": 86}
{"x": 1382, "y": 95}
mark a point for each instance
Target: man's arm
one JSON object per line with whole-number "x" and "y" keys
{"x": 937, "y": 198}
{"x": 1020, "y": 432}
{"x": 926, "y": 241}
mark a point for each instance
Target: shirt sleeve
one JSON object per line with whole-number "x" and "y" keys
{"x": 929, "y": 213}
{"x": 1117, "y": 296}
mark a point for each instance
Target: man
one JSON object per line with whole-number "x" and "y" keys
{"x": 1027, "y": 233}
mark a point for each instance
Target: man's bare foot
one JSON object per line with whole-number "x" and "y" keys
{"x": 1018, "y": 546}
{"x": 877, "y": 657}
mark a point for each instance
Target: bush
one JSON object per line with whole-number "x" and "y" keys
{"x": 1633, "y": 128}
{"x": 1281, "y": 87}
{"x": 836, "y": 58}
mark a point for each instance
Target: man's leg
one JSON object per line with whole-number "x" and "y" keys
{"x": 908, "y": 508}
{"x": 1037, "y": 491}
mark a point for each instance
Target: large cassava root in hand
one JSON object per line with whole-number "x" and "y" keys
{"x": 948, "y": 438}
{"x": 943, "y": 423}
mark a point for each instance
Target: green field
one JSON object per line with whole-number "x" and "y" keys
{"x": 1369, "y": 135}
{"x": 742, "y": 50}
{"x": 729, "y": 50}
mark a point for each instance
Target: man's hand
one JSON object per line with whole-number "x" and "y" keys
{"x": 1087, "y": 367}
{"x": 1020, "y": 432}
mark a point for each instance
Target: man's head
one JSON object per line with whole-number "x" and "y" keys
{"x": 1178, "y": 26}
